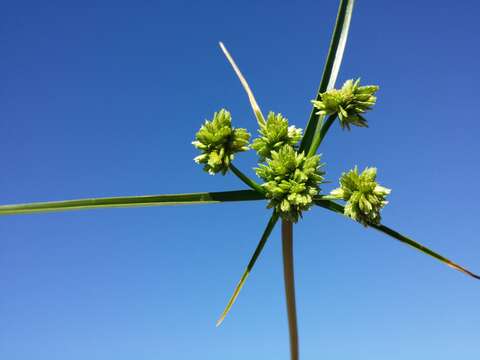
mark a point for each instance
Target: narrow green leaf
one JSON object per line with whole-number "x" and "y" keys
{"x": 251, "y": 97}
{"x": 402, "y": 238}
{"x": 319, "y": 135}
{"x": 131, "y": 201}
{"x": 330, "y": 205}
{"x": 268, "y": 230}
{"x": 332, "y": 67}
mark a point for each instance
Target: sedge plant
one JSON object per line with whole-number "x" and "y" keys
{"x": 290, "y": 172}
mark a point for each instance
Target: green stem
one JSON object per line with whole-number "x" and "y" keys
{"x": 319, "y": 135}
{"x": 250, "y": 182}
{"x": 289, "y": 279}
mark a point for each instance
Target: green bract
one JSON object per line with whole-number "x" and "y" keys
{"x": 275, "y": 133}
{"x": 349, "y": 103}
{"x": 291, "y": 181}
{"x": 219, "y": 141}
{"x": 364, "y": 197}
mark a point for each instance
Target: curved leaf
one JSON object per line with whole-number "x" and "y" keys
{"x": 251, "y": 98}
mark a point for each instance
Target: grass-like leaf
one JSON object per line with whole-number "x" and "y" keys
{"x": 131, "y": 201}
{"x": 396, "y": 235}
{"x": 251, "y": 97}
{"x": 332, "y": 67}
{"x": 319, "y": 135}
{"x": 268, "y": 230}
{"x": 330, "y": 205}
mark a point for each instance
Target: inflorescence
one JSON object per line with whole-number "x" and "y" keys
{"x": 349, "y": 103}
{"x": 291, "y": 178}
{"x": 219, "y": 141}
{"x": 274, "y": 134}
{"x": 364, "y": 196}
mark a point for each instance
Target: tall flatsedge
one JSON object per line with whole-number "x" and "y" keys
{"x": 289, "y": 168}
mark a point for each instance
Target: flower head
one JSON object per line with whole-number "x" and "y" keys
{"x": 218, "y": 141}
{"x": 291, "y": 181}
{"x": 349, "y": 103}
{"x": 275, "y": 133}
{"x": 364, "y": 197}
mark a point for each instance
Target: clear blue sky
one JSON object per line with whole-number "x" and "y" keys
{"x": 102, "y": 98}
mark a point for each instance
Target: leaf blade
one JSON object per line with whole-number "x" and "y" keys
{"x": 406, "y": 240}
{"x": 333, "y": 206}
{"x": 251, "y": 98}
{"x": 268, "y": 230}
{"x": 332, "y": 67}
{"x": 131, "y": 201}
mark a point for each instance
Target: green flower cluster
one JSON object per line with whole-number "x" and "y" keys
{"x": 291, "y": 181}
{"x": 274, "y": 134}
{"x": 364, "y": 197}
{"x": 349, "y": 103}
{"x": 219, "y": 141}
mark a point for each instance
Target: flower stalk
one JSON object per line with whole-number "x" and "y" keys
{"x": 289, "y": 280}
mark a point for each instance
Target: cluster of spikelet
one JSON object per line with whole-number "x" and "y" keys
{"x": 349, "y": 103}
{"x": 364, "y": 196}
{"x": 219, "y": 141}
{"x": 274, "y": 134}
{"x": 291, "y": 178}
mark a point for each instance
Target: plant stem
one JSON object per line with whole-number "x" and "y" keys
{"x": 250, "y": 182}
{"x": 288, "y": 275}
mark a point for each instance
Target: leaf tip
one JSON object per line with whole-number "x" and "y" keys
{"x": 222, "y": 46}
{"x": 220, "y": 321}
